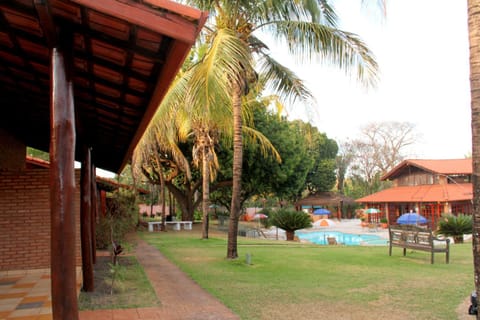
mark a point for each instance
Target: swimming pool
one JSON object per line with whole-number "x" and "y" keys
{"x": 349, "y": 239}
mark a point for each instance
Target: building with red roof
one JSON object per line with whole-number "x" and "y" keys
{"x": 429, "y": 187}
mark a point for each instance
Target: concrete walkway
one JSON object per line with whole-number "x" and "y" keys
{"x": 181, "y": 298}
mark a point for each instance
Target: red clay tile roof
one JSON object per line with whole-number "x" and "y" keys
{"x": 324, "y": 198}
{"x": 422, "y": 193}
{"x": 448, "y": 167}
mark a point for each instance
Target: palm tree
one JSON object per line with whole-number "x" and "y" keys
{"x": 307, "y": 28}
{"x": 474, "y": 37}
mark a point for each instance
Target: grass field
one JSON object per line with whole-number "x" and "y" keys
{"x": 302, "y": 281}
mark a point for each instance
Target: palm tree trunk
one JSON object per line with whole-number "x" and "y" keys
{"x": 162, "y": 197}
{"x": 135, "y": 189}
{"x": 290, "y": 235}
{"x": 232, "y": 252}
{"x": 474, "y": 37}
{"x": 206, "y": 191}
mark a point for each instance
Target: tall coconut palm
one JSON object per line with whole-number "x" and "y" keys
{"x": 198, "y": 106}
{"x": 307, "y": 28}
{"x": 474, "y": 37}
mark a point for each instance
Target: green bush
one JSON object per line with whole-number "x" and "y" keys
{"x": 290, "y": 221}
{"x": 455, "y": 226}
{"x": 121, "y": 218}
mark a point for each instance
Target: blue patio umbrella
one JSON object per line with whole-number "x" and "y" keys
{"x": 411, "y": 218}
{"x": 321, "y": 211}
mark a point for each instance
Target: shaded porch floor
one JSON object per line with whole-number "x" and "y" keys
{"x": 26, "y": 294}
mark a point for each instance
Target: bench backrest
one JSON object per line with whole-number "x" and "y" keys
{"x": 401, "y": 235}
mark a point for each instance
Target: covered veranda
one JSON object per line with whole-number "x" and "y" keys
{"x": 338, "y": 204}
{"x": 80, "y": 79}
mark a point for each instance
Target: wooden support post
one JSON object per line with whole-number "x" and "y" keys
{"x": 103, "y": 202}
{"x": 94, "y": 213}
{"x": 62, "y": 190}
{"x": 86, "y": 221}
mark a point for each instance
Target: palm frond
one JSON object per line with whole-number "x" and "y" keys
{"x": 256, "y": 137}
{"x": 283, "y": 81}
{"x": 210, "y": 85}
{"x": 309, "y": 41}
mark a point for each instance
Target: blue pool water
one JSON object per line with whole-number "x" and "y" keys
{"x": 349, "y": 239}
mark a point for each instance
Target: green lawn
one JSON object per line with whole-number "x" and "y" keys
{"x": 302, "y": 281}
{"x": 131, "y": 287}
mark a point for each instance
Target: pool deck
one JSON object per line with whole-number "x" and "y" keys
{"x": 352, "y": 226}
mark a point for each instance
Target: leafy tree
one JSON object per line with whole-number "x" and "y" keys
{"x": 290, "y": 221}
{"x": 266, "y": 178}
{"x": 265, "y": 175}
{"x": 156, "y": 162}
{"x": 321, "y": 177}
{"x": 343, "y": 161}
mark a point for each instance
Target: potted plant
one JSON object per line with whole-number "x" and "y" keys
{"x": 384, "y": 223}
{"x": 455, "y": 226}
{"x": 290, "y": 221}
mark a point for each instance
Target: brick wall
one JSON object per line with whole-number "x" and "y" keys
{"x": 25, "y": 220}
{"x": 12, "y": 151}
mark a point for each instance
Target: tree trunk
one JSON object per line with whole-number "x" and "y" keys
{"x": 458, "y": 239}
{"x": 135, "y": 189}
{"x": 162, "y": 200}
{"x": 86, "y": 222}
{"x": 206, "y": 191}
{"x": 290, "y": 235}
{"x": 232, "y": 252}
{"x": 474, "y": 37}
{"x": 184, "y": 198}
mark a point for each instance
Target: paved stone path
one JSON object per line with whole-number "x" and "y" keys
{"x": 181, "y": 298}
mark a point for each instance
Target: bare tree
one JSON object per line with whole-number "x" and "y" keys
{"x": 388, "y": 141}
{"x": 380, "y": 146}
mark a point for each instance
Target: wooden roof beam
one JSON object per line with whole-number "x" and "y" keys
{"x": 161, "y": 22}
{"x": 46, "y": 22}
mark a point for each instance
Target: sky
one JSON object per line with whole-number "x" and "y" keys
{"x": 422, "y": 50}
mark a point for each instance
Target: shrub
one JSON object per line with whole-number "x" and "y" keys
{"x": 290, "y": 221}
{"x": 455, "y": 226}
{"x": 121, "y": 218}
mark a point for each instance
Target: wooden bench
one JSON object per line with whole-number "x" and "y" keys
{"x": 416, "y": 238}
{"x": 187, "y": 225}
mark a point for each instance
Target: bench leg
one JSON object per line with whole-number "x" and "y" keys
{"x": 431, "y": 259}
{"x": 150, "y": 227}
{"x": 404, "y": 252}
